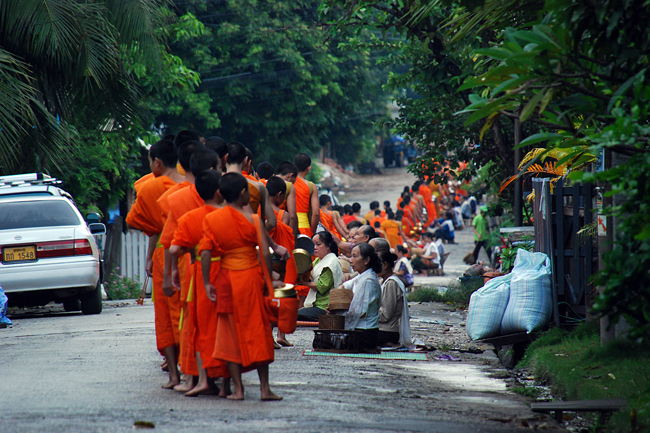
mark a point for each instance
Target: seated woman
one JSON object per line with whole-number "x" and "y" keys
{"x": 363, "y": 314}
{"x": 403, "y": 268}
{"x": 326, "y": 273}
{"x": 394, "y": 328}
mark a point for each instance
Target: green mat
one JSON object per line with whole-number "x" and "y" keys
{"x": 383, "y": 355}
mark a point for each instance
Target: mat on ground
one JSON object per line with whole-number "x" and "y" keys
{"x": 383, "y": 355}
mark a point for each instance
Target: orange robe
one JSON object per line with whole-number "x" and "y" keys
{"x": 146, "y": 215}
{"x": 376, "y": 219}
{"x": 138, "y": 183}
{"x": 243, "y": 327}
{"x": 282, "y": 234}
{"x": 256, "y": 196}
{"x": 391, "y": 227}
{"x": 327, "y": 219}
{"x": 179, "y": 201}
{"x": 303, "y": 206}
{"x": 200, "y": 322}
{"x": 432, "y": 213}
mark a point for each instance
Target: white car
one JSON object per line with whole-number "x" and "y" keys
{"x": 47, "y": 251}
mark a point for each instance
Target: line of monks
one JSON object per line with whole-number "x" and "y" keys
{"x": 210, "y": 223}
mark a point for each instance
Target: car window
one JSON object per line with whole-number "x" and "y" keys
{"x": 38, "y": 213}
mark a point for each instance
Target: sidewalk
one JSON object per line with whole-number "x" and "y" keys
{"x": 454, "y": 266}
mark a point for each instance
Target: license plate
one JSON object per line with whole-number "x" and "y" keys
{"x": 18, "y": 254}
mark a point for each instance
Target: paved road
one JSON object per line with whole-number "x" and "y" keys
{"x": 62, "y": 372}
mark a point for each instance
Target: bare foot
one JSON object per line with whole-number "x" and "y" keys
{"x": 276, "y": 345}
{"x": 171, "y": 384}
{"x": 269, "y": 396}
{"x": 199, "y": 389}
{"x": 184, "y": 387}
{"x": 225, "y": 389}
{"x": 236, "y": 396}
{"x": 284, "y": 342}
{"x": 164, "y": 366}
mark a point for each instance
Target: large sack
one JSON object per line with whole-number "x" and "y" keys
{"x": 486, "y": 308}
{"x": 530, "y": 305}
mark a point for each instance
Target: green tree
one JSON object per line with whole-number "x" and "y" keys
{"x": 430, "y": 55}
{"x": 81, "y": 82}
{"x": 276, "y": 83}
{"x": 580, "y": 72}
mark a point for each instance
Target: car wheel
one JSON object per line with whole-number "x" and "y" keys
{"x": 92, "y": 302}
{"x": 72, "y": 304}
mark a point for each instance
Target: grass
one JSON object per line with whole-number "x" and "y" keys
{"x": 456, "y": 293}
{"x": 577, "y": 367}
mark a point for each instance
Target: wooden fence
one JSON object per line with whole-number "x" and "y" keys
{"x": 559, "y": 217}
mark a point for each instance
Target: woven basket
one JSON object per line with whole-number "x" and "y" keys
{"x": 340, "y": 299}
{"x": 331, "y": 321}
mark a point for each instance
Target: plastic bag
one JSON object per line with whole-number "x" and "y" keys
{"x": 3, "y": 308}
{"x": 531, "y": 304}
{"x": 486, "y": 308}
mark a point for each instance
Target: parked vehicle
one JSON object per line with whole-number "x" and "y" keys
{"x": 47, "y": 251}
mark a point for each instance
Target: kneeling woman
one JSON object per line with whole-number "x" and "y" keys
{"x": 363, "y": 314}
{"x": 394, "y": 329}
{"x": 326, "y": 273}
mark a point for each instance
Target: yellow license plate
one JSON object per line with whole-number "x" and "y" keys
{"x": 18, "y": 254}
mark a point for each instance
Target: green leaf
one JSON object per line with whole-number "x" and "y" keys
{"x": 530, "y": 106}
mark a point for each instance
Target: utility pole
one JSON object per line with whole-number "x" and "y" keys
{"x": 518, "y": 204}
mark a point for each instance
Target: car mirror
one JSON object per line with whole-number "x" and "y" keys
{"x": 97, "y": 228}
{"x": 92, "y": 218}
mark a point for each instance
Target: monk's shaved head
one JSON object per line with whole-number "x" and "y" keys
{"x": 165, "y": 151}
{"x": 231, "y": 185}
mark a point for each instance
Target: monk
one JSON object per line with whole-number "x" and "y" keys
{"x": 374, "y": 205}
{"x": 376, "y": 219}
{"x": 282, "y": 235}
{"x": 391, "y": 229}
{"x": 307, "y": 205}
{"x": 288, "y": 172}
{"x": 237, "y": 160}
{"x": 430, "y": 206}
{"x": 195, "y": 159}
{"x": 145, "y": 215}
{"x": 244, "y": 340}
{"x": 199, "y": 320}
{"x": 326, "y": 216}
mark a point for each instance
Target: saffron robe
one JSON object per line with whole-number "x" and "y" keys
{"x": 243, "y": 335}
{"x": 179, "y": 201}
{"x": 303, "y": 206}
{"x": 145, "y": 215}
{"x": 391, "y": 228}
{"x": 283, "y": 235}
{"x": 200, "y": 322}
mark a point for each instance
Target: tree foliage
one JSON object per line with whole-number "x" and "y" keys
{"x": 579, "y": 72}
{"x": 430, "y": 53}
{"x": 276, "y": 83}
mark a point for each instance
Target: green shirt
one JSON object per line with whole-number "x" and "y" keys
{"x": 480, "y": 224}
{"x": 323, "y": 286}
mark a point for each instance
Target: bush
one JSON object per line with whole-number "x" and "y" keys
{"x": 457, "y": 294}
{"x": 120, "y": 286}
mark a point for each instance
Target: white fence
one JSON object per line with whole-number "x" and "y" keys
{"x": 133, "y": 256}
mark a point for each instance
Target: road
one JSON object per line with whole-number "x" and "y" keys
{"x": 65, "y": 372}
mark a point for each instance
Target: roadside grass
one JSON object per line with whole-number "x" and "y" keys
{"x": 456, "y": 293}
{"x": 576, "y": 367}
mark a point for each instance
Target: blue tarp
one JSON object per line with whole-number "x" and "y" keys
{"x": 3, "y": 308}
